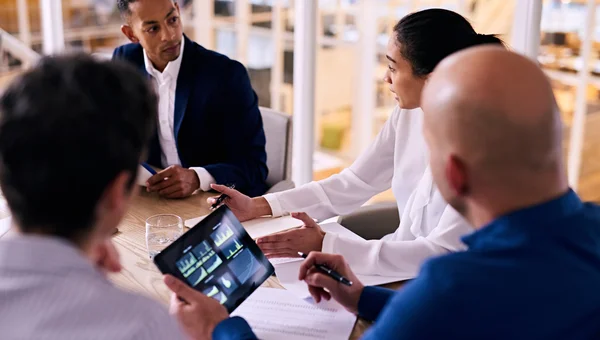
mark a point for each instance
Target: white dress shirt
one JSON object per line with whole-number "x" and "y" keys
{"x": 165, "y": 84}
{"x": 398, "y": 158}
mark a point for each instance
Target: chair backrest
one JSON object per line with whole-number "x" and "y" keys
{"x": 278, "y": 131}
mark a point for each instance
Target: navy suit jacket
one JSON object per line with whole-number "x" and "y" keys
{"x": 217, "y": 122}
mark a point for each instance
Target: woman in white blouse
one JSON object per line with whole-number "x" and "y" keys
{"x": 398, "y": 158}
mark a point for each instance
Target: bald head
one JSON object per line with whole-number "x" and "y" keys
{"x": 493, "y": 113}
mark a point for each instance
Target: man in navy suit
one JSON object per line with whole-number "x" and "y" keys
{"x": 209, "y": 128}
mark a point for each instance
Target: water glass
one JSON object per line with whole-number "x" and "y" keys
{"x": 161, "y": 230}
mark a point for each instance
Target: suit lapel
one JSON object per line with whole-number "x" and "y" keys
{"x": 139, "y": 60}
{"x": 184, "y": 85}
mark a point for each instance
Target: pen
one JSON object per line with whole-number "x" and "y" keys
{"x": 149, "y": 168}
{"x": 221, "y": 198}
{"x": 330, "y": 272}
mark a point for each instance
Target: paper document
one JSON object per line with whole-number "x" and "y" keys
{"x": 143, "y": 175}
{"x": 282, "y": 260}
{"x": 287, "y": 271}
{"x": 261, "y": 226}
{"x": 287, "y": 274}
{"x": 5, "y": 225}
{"x": 276, "y": 314}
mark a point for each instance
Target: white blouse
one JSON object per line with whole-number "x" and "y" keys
{"x": 398, "y": 158}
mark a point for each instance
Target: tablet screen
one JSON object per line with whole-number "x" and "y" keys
{"x": 218, "y": 258}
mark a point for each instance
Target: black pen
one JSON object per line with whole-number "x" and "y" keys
{"x": 221, "y": 198}
{"x": 330, "y": 272}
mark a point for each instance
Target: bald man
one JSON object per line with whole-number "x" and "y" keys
{"x": 532, "y": 268}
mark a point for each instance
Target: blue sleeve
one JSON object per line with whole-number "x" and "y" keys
{"x": 246, "y": 164}
{"x": 423, "y": 309}
{"x": 372, "y": 301}
{"x": 234, "y": 328}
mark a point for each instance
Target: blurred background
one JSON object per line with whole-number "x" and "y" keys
{"x": 351, "y": 101}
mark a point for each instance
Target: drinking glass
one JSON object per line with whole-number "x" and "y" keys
{"x": 161, "y": 230}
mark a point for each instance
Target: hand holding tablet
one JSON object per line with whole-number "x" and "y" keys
{"x": 218, "y": 258}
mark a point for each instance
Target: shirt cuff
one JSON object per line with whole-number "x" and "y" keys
{"x": 233, "y": 328}
{"x": 273, "y": 200}
{"x": 372, "y": 301}
{"x": 329, "y": 243}
{"x": 205, "y": 178}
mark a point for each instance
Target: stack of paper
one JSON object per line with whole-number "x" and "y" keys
{"x": 276, "y": 314}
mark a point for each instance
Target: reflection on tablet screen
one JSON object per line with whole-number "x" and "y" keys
{"x": 244, "y": 266}
{"x": 218, "y": 258}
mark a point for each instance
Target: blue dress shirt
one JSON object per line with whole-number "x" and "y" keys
{"x": 531, "y": 274}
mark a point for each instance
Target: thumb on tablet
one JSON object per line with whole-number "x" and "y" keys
{"x": 182, "y": 290}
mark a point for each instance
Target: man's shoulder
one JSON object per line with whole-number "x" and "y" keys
{"x": 591, "y": 213}
{"x": 137, "y": 301}
{"x": 112, "y": 302}
{"x": 458, "y": 272}
{"x": 466, "y": 278}
{"x": 139, "y": 314}
{"x": 217, "y": 61}
{"x": 462, "y": 261}
{"x": 131, "y": 51}
{"x": 101, "y": 310}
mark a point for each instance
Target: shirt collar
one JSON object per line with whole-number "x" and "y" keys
{"x": 525, "y": 221}
{"x": 42, "y": 254}
{"x": 171, "y": 71}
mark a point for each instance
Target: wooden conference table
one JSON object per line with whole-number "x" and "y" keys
{"x": 139, "y": 273}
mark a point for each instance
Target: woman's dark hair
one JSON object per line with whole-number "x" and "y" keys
{"x": 426, "y": 37}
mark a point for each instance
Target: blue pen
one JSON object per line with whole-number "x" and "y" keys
{"x": 149, "y": 168}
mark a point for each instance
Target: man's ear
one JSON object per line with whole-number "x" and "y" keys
{"x": 457, "y": 177}
{"x": 116, "y": 194}
{"x": 128, "y": 32}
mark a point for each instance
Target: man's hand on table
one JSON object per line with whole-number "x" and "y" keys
{"x": 197, "y": 314}
{"x": 288, "y": 243}
{"x": 322, "y": 286}
{"x": 174, "y": 182}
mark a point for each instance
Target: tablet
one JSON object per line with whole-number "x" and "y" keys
{"x": 218, "y": 258}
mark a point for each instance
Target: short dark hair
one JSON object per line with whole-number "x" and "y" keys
{"x": 123, "y": 6}
{"x": 68, "y": 128}
{"x": 426, "y": 37}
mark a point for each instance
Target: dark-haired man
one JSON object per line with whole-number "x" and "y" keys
{"x": 87, "y": 123}
{"x": 209, "y": 127}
